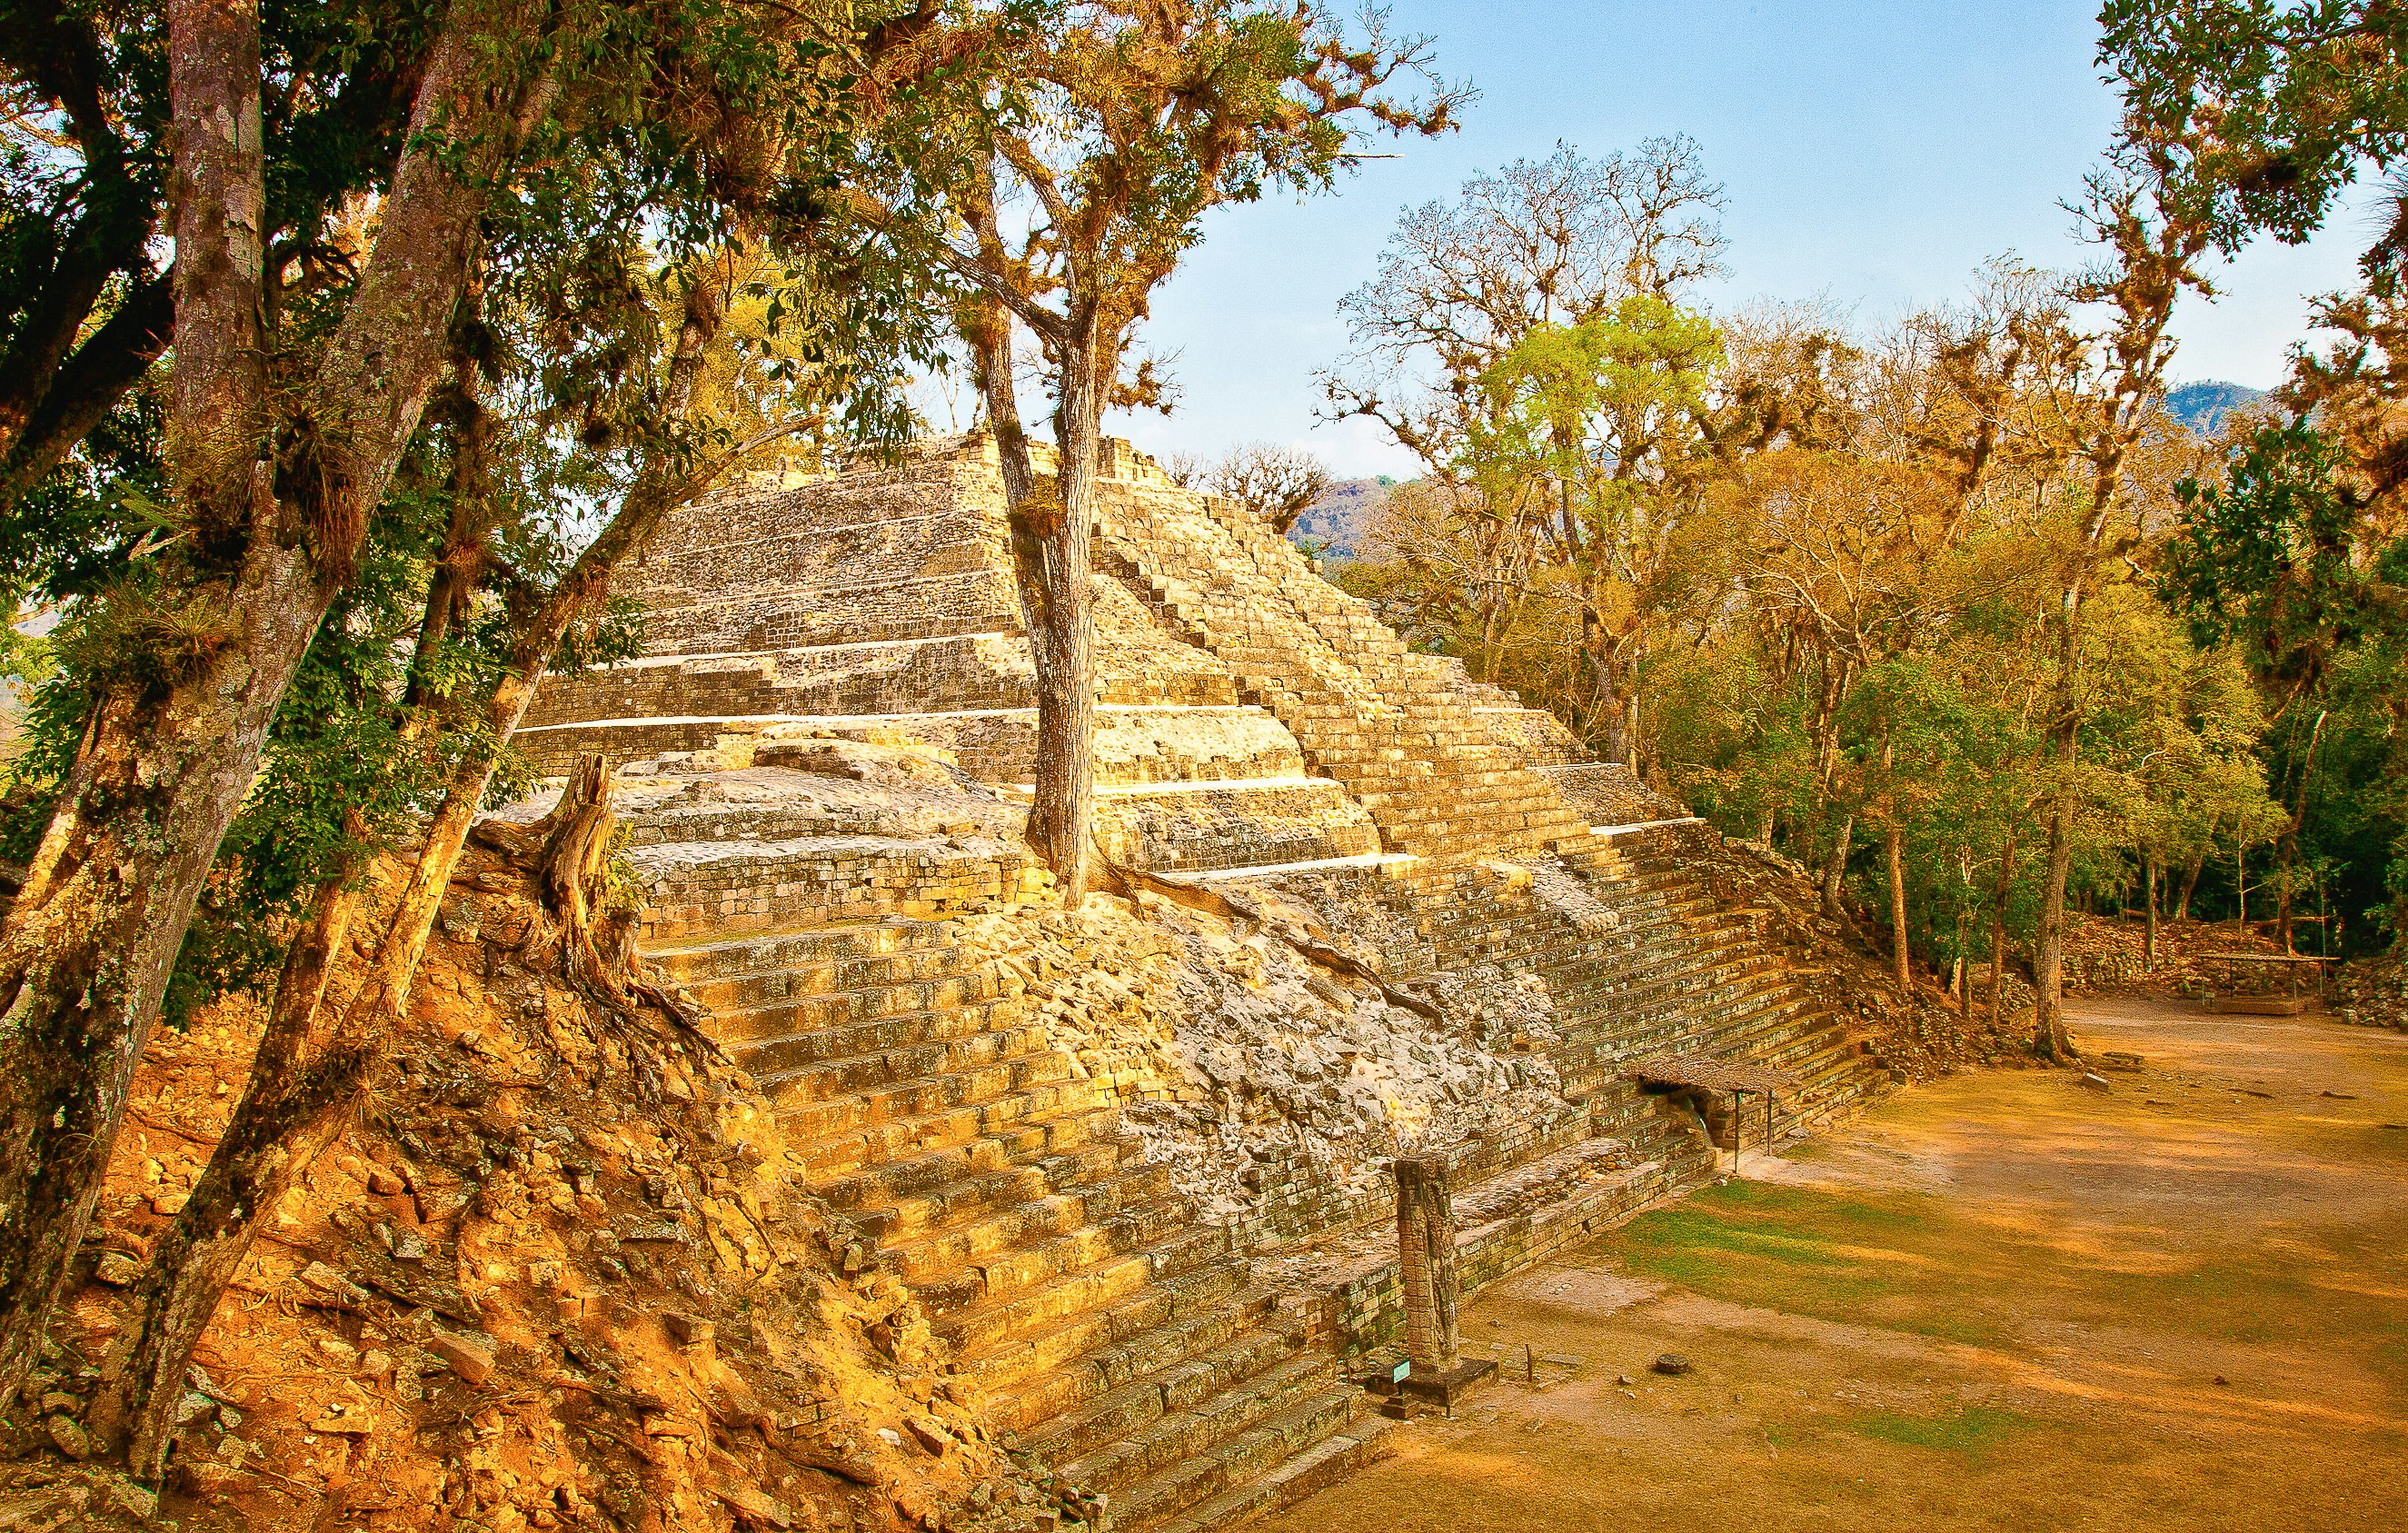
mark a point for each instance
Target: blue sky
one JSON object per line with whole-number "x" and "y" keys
{"x": 1872, "y": 153}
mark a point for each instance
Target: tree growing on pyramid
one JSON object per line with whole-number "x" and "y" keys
{"x": 1061, "y": 200}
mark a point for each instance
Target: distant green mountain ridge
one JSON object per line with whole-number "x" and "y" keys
{"x": 2202, "y": 407}
{"x": 1339, "y": 521}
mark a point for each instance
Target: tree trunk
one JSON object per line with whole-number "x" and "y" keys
{"x": 1050, "y": 535}
{"x": 1605, "y": 678}
{"x": 108, "y": 365}
{"x": 1964, "y": 968}
{"x": 1998, "y": 927}
{"x": 92, "y": 938}
{"x": 217, "y": 390}
{"x": 1061, "y": 637}
{"x": 2049, "y": 1036}
{"x": 1492, "y": 627}
{"x": 92, "y": 935}
{"x": 294, "y": 1106}
{"x": 2189, "y": 884}
{"x": 2290, "y": 848}
{"x": 1893, "y": 850}
{"x": 2149, "y": 892}
{"x": 1835, "y": 867}
{"x": 246, "y": 1175}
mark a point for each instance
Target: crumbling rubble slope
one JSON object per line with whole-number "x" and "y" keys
{"x": 562, "y": 1275}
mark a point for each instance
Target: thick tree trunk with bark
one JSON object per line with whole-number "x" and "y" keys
{"x": 1052, "y": 528}
{"x": 92, "y": 934}
{"x": 298, "y": 1099}
{"x": 2189, "y": 886}
{"x": 89, "y": 943}
{"x": 291, "y": 1088}
{"x": 1056, "y": 541}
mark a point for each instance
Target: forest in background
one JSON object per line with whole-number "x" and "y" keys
{"x": 1891, "y": 598}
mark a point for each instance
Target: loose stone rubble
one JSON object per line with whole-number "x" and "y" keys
{"x": 2374, "y": 993}
{"x": 566, "y": 1273}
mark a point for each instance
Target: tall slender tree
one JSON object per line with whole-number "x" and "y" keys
{"x": 2153, "y": 247}
{"x": 1071, "y": 196}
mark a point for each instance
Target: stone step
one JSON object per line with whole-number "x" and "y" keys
{"x": 1251, "y": 1454}
{"x": 1293, "y": 1480}
{"x": 1432, "y": 779}
{"x": 891, "y": 1203}
{"x": 987, "y": 669}
{"x": 925, "y": 1255}
{"x": 1048, "y": 1289}
{"x": 1147, "y": 1424}
{"x": 943, "y": 603}
{"x": 934, "y": 978}
{"x": 946, "y": 1166}
{"x": 1051, "y": 1404}
{"x": 1046, "y": 1260}
{"x": 834, "y": 1139}
{"x": 1130, "y": 1448}
{"x": 775, "y": 1004}
{"x": 715, "y": 888}
{"x": 754, "y": 1037}
{"x": 1694, "y": 1030}
{"x": 1045, "y": 1372}
{"x": 1187, "y": 827}
{"x": 693, "y": 959}
{"x": 829, "y": 1033}
{"x": 914, "y": 1082}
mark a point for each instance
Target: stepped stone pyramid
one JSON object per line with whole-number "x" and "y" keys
{"x": 1258, "y": 729}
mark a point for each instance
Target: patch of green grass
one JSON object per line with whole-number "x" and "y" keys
{"x": 1682, "y": 1229}
{"x": 1898, "y": 1213}
{"x": 1972, "y": 1432}
{"x": 1810, "y": 1252}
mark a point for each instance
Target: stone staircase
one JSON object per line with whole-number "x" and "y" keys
{"x": 1712, "y": 987}
{"x": 1641, "y": 957}
{"x": 1120, "y": 1338}
{"x": 1405, "y": 746}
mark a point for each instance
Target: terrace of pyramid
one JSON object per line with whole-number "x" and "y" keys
{"x": 1128, "y": 1158}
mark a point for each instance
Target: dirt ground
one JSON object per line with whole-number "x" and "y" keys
{"x": 2003, "y": 1300}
